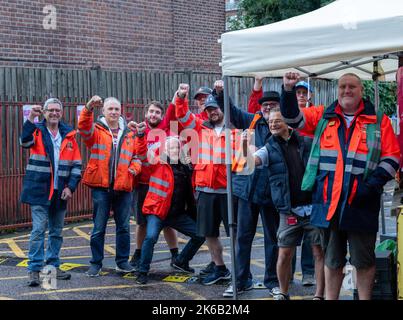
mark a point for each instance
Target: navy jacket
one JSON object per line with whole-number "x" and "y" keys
{"x": 278, "y": 172}
{"x": 254, "y": 187}
{"x": 37, "y": 183}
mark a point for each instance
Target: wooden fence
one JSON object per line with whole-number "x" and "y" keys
{"x": 20, "y": 86}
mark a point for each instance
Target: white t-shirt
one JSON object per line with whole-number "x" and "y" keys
{"x": 348, "y": 119}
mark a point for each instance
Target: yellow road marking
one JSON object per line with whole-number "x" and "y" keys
{"x": 89, "y": 289}
{"x": 84, "y": 235}
{"x": 6, "y": 298}
{"x": 15, "y": 248}
{"x": 185, "y": 291}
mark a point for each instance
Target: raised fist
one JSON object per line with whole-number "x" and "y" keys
{"x": 36, "y": 111}
{"x": 95, "y": 101}
{"x": 183, "y": 90}
{"x": 132, "y": 125}
{"x": 141, "y": 127}
{"x": 290, "y": 79}
{"x": 219, "y": 86}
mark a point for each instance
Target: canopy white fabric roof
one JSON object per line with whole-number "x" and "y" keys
{"x": 343, "y": 32}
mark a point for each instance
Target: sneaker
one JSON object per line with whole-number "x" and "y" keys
{"x": 208, "y": 269}
{"x": 216, "y": 276}
{"x": 62, "y": 275}
{"x": 33, "y": 279}
{"x": 184, "y": 266}
{"x": 135, "y": 261}
{"x": 142, "y": 278}
{"x": 308, "y": 280}
{"x": 281, "y": 296}
{"x": 94, "y": 271}
{"x": 124, "y": 267}
{"x": 229, "y": 293}
{"x": 274, "y": 291}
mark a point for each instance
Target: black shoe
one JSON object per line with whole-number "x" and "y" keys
{"x": 184, "y": 266}
{"x": 135, "y": 261}
{"x": 34, "y": 279}
{"x": 142, "y": 278}
{"x": 208, "y": 269}
{"x": 62, "y": 275}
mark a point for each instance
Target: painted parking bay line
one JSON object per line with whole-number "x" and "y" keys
{"x": 185, "y": 291}
{"x": 90, "y": 289}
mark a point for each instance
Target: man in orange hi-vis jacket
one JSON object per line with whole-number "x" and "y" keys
{"x": 354, "y": 153}
{"x": 110, "y": 174}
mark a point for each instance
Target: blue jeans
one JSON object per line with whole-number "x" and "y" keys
{"x": 248, "y": 214}
{"x": 105, "y": 200}
{"x": 41, "y": 216}
{"x": 183, "y": 223}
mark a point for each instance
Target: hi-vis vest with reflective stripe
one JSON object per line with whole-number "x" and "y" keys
{"x": 38, "y": 181}
{"x": 161, "y": 186}
{"x": 99, "y": 139}
{"x": 328, "y": 156}
{"x": 210, "y": 170}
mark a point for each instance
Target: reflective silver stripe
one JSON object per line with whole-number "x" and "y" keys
{"x": 137, "y": 161}
{"x": 99, "y": 146}
{"x": 125, "y": 152}
{"x": 124, "y": 161}
{"x": 327, "y": 166}
{"x": 389, "y": 169}
{"x": 313, "y": 161}
{"x": 356, "y": 171}
{"x": 77, "y": 162}
{"x": 62, "y": 173}
{"x": 76, "y": 172}
{"x": 31, "y": 167}
{"x": 185, "y": 117}
{"x": 38, "y": 157}
{"x": 360, "y": 157}
{"x": 219, "y": 150}
{"x": 192, "y": 125}
{"x": 297, "y": 119}
{"x": 156, "y": 191}
{"x": 97, "y": 156}
{"x": 329, "y": 153}
{"x": 218, "y": 160}
{"x": 205, "y": 156}
{"x": 204, "y": 145}
{"x": 396, "y": 160}
{"x": 26, "y": 144}
{"x": 87, "y": 133}
{"x": 211, "y": 190}
{"x": 159, "y": 181}
{"x": 65, "y": 162}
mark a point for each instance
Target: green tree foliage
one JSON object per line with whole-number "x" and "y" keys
{"x": 387, "y": 95}
{"x": 253, "y": 13}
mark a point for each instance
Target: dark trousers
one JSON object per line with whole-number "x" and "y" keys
{"x": 248, "y": 214}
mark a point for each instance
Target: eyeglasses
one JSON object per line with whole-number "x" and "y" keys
{"x": 276, "y": 121}
{"x": 270, "y": 104}
{"x": 53, "y": 110}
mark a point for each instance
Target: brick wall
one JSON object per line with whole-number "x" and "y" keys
{"x": 132, "y": 35}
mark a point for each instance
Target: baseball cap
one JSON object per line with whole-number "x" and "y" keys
{"x": 202, "y": 90}
{"x": 305, "y": 85}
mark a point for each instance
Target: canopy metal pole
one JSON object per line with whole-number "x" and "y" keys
{"x": 228, "y": 158}
{"x": 375, "y": 77}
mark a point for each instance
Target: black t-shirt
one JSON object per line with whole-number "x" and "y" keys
{"x": 296, "y": 170}
{"x": 181, "y": 186}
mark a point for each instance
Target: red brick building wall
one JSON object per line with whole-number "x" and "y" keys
{"x": 131, "y": 35}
